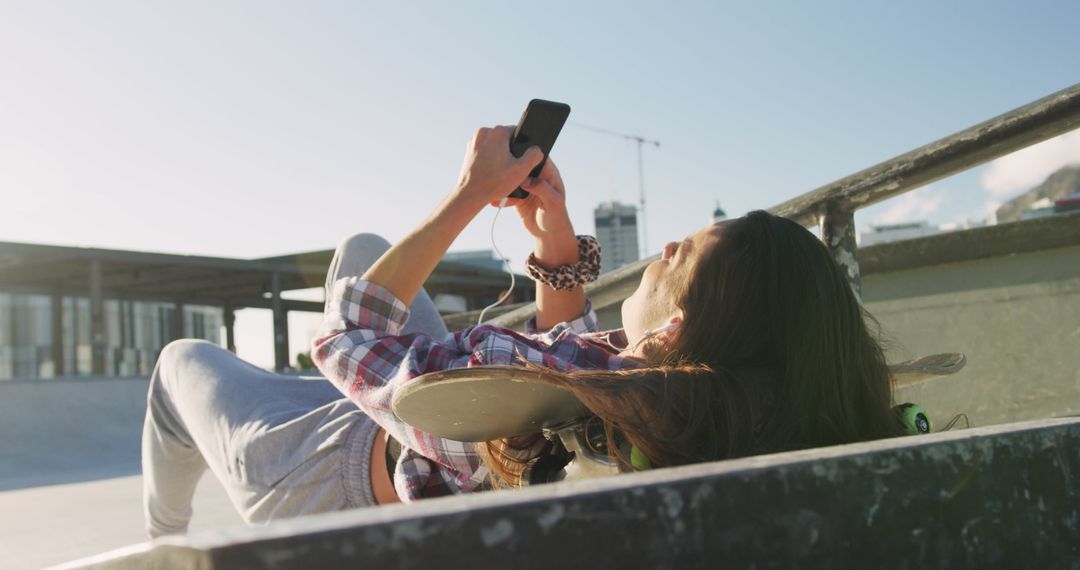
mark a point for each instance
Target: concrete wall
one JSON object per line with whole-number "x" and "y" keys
{"x": 1000, "y": 497}
{"x": 1016, "y": 317}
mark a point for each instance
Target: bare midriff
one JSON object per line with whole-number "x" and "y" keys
{"x": 381, "y": 485}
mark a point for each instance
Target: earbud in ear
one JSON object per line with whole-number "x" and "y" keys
{"x": 658, "y": 330}
{"x": 652, "y": 332}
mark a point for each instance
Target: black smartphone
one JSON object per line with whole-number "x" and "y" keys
{"x": 539, "y": 126}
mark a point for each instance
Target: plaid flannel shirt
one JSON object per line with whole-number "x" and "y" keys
{"x": 361, "y": 350}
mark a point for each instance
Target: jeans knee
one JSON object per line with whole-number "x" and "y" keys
{"x": 185, "y": 349}
{"x": 364, "y": 242}
{"x": 176, "y": 356}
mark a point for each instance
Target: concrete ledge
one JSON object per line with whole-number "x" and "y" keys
{"x": 1011, "y": 238}
{"x": 1003, "y": 496}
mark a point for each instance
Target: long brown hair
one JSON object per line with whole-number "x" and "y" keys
{"x": 774, "y": 353}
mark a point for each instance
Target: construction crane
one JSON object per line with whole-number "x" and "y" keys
{"x": 641, "y": 141}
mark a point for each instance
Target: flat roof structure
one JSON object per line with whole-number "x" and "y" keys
{"x": 229, "y": 283}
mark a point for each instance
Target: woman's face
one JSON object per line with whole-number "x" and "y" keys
{"x": 664, "y": 282}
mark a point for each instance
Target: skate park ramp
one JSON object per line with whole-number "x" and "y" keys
{"x": 70, "y": 467}
{"x": 70, "y": 430}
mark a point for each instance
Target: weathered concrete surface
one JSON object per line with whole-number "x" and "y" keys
{"x": 42, "y": 526}
{"x": 1000, "y": 497}
{"x": 69, "y": 470}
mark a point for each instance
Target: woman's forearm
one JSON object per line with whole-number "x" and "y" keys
{"x": 407, "y": 265}
{"x": 554, "y": 307}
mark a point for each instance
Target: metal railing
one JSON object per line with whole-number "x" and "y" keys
{"x": 832, "y": 207}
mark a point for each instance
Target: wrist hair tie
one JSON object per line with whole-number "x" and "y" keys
{"x": 566, "y": 277}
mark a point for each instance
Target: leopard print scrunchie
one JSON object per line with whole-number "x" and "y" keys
{"x": 567, "y": 277}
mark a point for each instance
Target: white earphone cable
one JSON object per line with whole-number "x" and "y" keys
{"x": 506, "y": 263}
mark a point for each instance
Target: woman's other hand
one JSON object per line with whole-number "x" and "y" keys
{"x": 490, "y": 172}
{"x": 543, "y": 212}
{"x": 544, "y": 215}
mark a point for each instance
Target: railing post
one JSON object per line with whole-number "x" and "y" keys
{"x": 837, "y": 226}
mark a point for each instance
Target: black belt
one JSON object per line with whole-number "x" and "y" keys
{"x": 393, "y": 451}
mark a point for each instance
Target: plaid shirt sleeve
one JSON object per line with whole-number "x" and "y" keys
{"x": 586, "y": 323}
{"x": 360, "y": 349}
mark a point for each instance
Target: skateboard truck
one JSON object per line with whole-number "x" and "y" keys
{"x": 584, "y": 453}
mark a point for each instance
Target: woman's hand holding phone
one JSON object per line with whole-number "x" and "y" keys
{"x": 490, "y": 172}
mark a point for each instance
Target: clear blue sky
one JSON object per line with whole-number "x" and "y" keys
{"x": 258, "y": 128}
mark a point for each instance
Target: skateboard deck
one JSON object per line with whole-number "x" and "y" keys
{"x": 479, "y": 404}
{"x": 491, "y": 402}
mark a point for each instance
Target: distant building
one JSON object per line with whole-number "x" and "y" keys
{"x": 1039, "y": 209}
{"x": 718, "y": 215}
{"x": 448, "y": 303}
{"x": 478, "y": 258}
{"x": 453, "y": 299}
{"x": 1061, "y": 185}
{"x": 32, "y": 346}
{"x": 1070, "y": 203}
{"x": 1046, "y": 207}
{"x": 617, "y": 232}
{"x": 896, "y": 232}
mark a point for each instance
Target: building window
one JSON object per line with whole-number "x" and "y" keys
{"x": 28, "y": 348}
{"x": 135, "y": 333}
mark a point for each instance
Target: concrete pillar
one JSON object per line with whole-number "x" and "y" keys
{"x": 12, "y": 330}
{"x": 281, "y": 324}
{"x": 229, "y": 316}
{"x": 178, "y": 321}
{"x": 57, "y": 315}
{"x": 131, "y": 324}
{"x": 97, "y": 320}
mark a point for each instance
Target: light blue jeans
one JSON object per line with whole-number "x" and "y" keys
{"x": 281, "y": 446}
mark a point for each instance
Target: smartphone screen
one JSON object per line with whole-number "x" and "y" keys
{"x": 540, "y": 125}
